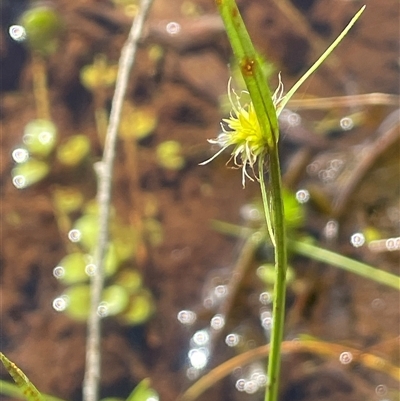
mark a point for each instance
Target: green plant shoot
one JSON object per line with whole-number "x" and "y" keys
{"x": 253, "y": 131}
{"x": 29, "y": 391}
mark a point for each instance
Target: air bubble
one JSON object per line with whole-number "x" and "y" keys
{"x": 173, "y": 28}
{"x": 90, "y": 269}
{"x": 265, "y": 298}
{"x": 331, "y": 229}
{"x": 232, "y": 340}
{"x": 392, "y": 244}
{"x": 250, "y": 213}
{"x": 217, "y": 322}
{"x": 221, "y": 291}
{"x": 251, "y": 387}
{"x": 294, "y": 119}
{"x": 201, "y": 337}
{"x": 346, "y": 357}
{"x": 187, "y": 317}
{"x": 378, "y": 304}
{"x": 17, "y": 33}
{"x": 60, "y": 303}
{"x": 302, "y": 196}
{"x": 240, "y": 384}
{"x": 260, "y": 378}
{"x": 266, "y": 320}
{"x": 336, "y": 164}
{"x": 313, "y": 169}
{"x": 45, "y": 137}
{"x": 74, "y": 235}
{"x": 357, "y": 240}
{"x": 20, "y": 155}
{"x": 381, "y": 390}
{"x": 19, "y": 181}
{"x": 59, "y": 272}
{"x": 102, "y": 309}
{"x": 198, "y": 357}
{"x": 346, "y": 123}
{"x": 192, "y": 373}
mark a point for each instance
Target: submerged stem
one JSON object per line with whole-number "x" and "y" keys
{"x": 275, "y": 212}
{"x": 93, "y": 356}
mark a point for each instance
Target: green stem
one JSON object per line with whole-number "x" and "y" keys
{"x": 332, "y": 258}
{"x": 275, "y": 212}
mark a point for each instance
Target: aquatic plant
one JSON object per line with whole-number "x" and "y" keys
{"x": 254, "y": 134}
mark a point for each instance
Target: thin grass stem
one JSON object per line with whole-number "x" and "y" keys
{"x": 93, "y": 355}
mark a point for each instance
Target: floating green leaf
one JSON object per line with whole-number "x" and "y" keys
{"x": 88, "y": 226}
{"x": 40, "y": 137}
{"x": 143, "y": 392}
{"x": 169, "y": 155}
{"x": 137, "y": 123}
{"x": 154, "y": 232}
{"x": 28, "y": 173}
{"x": 129, "y": 279}
{"x": 294, "y": 211}
{"x": 28, "y": 389}
{"x": 71, "y": 269}
{"x": 67, "y": 200}
{"x": 116, "y": 299}
{"x": 78, "y": 301}
{"x": 43, "y": 27}
{"x": 74, "y": 150}
{"x": 140, "y": 308}
{"x": 99, "y": 75}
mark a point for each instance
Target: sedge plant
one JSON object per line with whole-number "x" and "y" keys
{"x": 253, "y": 132}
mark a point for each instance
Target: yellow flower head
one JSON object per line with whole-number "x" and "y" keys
{"x": 242, "y": 130}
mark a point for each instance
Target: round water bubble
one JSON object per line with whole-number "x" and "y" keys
{"x": 201, "y": 337}
{"x": 265, "y": 298}
{"x": 60, "y": 303}
{"x": 250, "y": 213}
{"x": 192, "y": 373}
{"x": 336, "y": 164}
{"x": 20, "y": 155}
{"x": 187, "y": 317}
{"x": 59, "y": 272}
{"x": 266, "y": 320}
{"x": 331, "y": 229}
{"x": 346, "y": 123}
{"x": 302, "y": 196}
{"x": 102, "y": 309}
{"x": 198, "y": 357}
{"x": 232, "y": 339}
{"x": 173, "y": 28}
{"x": 251, "y": 387}
{"x": 17, "y": 33}
{"x": 346, "y": 357}
{"x": 357, "y": 240}
{"x": 392, "y": 244}
{"x": 19, "y": 181}
{"x": 240, "y": 385}
{"x": 90, "y": 269}
{"x": 221, "y": 291}
{"x": 381, "y": 390}
{"x": 217, "y": 322}
{"x": 313, "y": 168}
{"x": 294, "y": 119}
{"x": 260, "y": 377}
{"x": 74, "y": 235}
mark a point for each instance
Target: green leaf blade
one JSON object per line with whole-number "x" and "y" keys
{"x": 29, "y": 391}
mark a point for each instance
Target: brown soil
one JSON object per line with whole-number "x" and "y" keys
{"x": 184, "y": 89}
